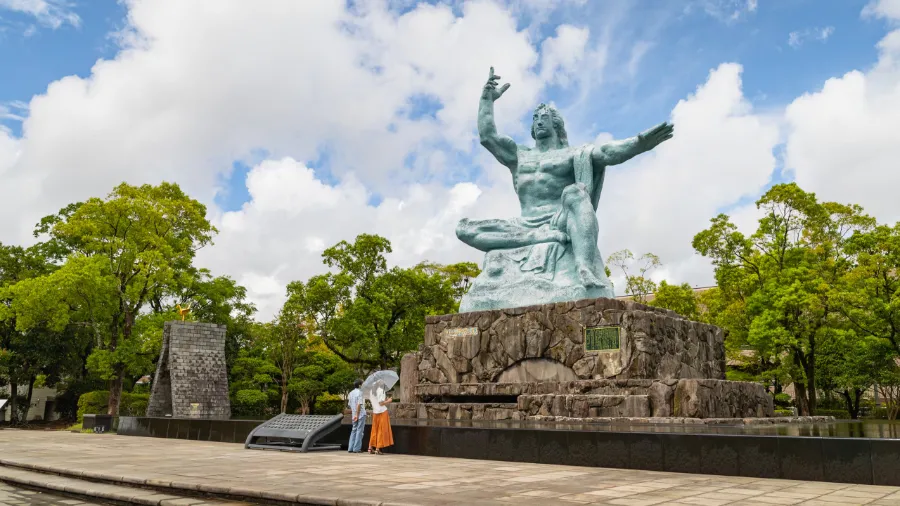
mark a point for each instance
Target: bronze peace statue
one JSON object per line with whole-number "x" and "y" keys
{"x": 549, "y": 253}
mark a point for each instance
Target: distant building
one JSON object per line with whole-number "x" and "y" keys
{"x": 43, "y": 403}
{"x": 650, "y": 296}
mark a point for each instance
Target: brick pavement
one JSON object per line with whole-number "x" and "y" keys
{"x": 326, "y": 477}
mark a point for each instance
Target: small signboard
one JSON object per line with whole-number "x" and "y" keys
{"x": 195, "y": 409}
{"x": 601, "y": 338}
{"x": 461, "y": 332}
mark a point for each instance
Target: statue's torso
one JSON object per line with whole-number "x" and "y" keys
{"x": 540, "y": 178}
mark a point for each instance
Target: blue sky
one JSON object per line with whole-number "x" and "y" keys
{"x": 685, "y": 41}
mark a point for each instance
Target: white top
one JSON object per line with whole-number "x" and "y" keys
{"x": 354, "y": 400}
{"x": 376, "y": 398}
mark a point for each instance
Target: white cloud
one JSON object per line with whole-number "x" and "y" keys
{"x": 727, "y": 11}
{"x": 638, "y": 51}
{"x": 52, "y": 13}
{"x": 797, "y": 38}
{"x": 888, "y": 9}
{"x": 561, "y": 55}
{"x": 186, "y": 96}
{"x": 722, "y": 151}
{"x": 842, "y": 139}
{"x": 279, "y": 235}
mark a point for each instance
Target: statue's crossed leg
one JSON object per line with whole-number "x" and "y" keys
{"x": 576, "y": 221}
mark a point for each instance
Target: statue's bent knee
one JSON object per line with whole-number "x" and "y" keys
{"x": 464, "y": 231}
{"x": 575, "y": 194}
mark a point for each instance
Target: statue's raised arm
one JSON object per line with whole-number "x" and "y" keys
{"x": 502, "y": 147}
{"x": 616, "y": 152}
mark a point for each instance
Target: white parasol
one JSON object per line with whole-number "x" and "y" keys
{"x": 387, "y": 378}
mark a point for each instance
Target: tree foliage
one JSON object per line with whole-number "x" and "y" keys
{"x": 365, "y": 313}
{"x": 120, "y": 252}
{"x": 637, "y": 285}
{"x": 679, "y": 298}
{"x": 788, "y": 277}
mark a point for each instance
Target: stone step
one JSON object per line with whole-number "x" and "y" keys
{"x": 585, "y": 405}
{"x": 600, "y": 387}
{"x": 458, "y": 411}
{"x": 108, "y": 493}
{"x": 98, "y": 488}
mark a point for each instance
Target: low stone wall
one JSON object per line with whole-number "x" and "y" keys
{"x": 686, "y": 398}
{"x": 547, "y": 342}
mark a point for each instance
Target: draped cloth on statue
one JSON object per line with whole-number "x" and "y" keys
{"x": 540, "y": 259}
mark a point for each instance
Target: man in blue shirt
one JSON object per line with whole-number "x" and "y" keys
{"x": 358, "y": 411}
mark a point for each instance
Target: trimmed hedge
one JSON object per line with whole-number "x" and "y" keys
{"x": 329, "y": 404}
{"x": 93, "y": 403}
{"x": 249, "y": 403}
{"x": 97, "y": 403}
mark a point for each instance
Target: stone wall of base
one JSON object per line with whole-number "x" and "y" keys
{"x": 686, "y": 398}
{"x": 547, "y": 342}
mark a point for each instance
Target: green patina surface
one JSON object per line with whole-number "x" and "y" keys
{"x": 549, "y": 253}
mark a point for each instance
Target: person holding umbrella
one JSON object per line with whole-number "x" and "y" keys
{"x": 377, "y": 385}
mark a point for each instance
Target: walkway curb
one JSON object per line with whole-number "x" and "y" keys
{"x": 144, "y": 489}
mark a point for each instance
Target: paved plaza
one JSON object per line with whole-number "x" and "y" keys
{"x": 340, "y": 478}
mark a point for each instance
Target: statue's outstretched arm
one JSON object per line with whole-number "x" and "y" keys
{"x": 502, "y": 147}
{"x": 616, "y": 152}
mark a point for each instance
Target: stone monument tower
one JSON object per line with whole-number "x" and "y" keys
{"x": 191, "y": 380}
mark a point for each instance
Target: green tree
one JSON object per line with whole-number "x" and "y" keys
{"x": 872, "y": 305}
{"x": 788, "y": 276}
{"x": 122, "y": 250}
{"x": 365, "y": 313}
{"x": 637, "y": 286}
{"x": 850, "y": 364}
{"x": 459, "y": 276}
{"x": 38, "y": 351}
{"x": 679, "y": 298}
{"x": 285, "y": 343}
{"x": 320, "y": 371}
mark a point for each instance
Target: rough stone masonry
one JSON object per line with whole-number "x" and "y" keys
{"x": 191, "y": 380}
{"x": 588, "y": 359}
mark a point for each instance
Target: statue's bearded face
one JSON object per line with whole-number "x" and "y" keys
{"x": 542, "y": 124}
{"x": 547, "y": 122}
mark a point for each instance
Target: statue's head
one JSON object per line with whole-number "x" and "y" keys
{"x": 546, "y": 122}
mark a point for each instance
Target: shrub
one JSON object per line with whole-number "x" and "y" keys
{"x": 783, "y": 401}
{"x": 784, "y": 412}
{"x": 134, "y": 404}
{"x": 329, "y": 404}
{"x": 250, "y": 403}
{"x": 878, "y": 414}
{"x": 93, "y": 403}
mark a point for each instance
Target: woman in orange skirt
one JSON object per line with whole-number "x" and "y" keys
{"x": 381, "y": 436}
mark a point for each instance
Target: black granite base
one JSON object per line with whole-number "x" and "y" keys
{"x": 863, "y": 460}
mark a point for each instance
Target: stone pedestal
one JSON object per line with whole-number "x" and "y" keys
{"x": 547, "y": 343}
{"x": 588, "y": 359}
{"x": 191, "y": 379}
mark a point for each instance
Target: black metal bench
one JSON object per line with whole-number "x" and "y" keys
{"x": 294, "y": 433}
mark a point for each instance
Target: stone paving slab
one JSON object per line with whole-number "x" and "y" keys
{"x": 20, "y": 496}
{"x": 339, "y": 478}
{"x": 103, "y": 492}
